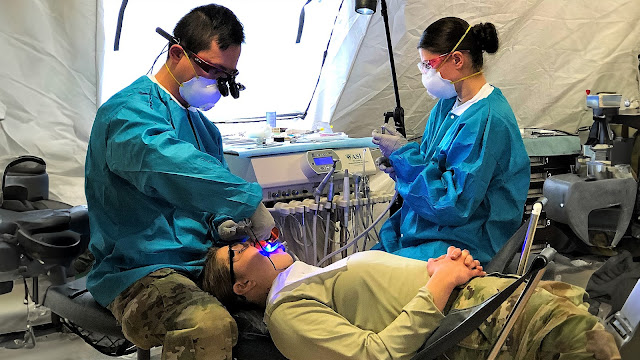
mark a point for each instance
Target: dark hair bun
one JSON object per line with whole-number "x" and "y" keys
{"x": 486, "y": 36}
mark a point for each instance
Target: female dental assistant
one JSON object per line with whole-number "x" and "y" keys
{"x": 466, "y": 184}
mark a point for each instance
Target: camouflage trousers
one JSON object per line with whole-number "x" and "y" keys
{"x": 554, "y": 325}
{"x": 167, "y": 308}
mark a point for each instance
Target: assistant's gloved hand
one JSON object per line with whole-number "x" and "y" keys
{"x": 262, "y": 223}
{"x": 228, "y": 231}
{"x": 384, "y": 164}
{"x": 388, "y": 142}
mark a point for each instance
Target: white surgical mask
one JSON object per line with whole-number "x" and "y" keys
{"x": 436, "y": 86}
{"x": 200, "y": 92}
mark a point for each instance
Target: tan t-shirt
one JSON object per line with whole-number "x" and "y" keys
{"x": 372, "y": 305}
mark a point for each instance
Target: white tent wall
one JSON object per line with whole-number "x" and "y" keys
{"x": 551, "y": 51}
{"x": 48, "y": 83}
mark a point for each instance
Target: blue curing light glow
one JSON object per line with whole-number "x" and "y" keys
{"x": 269, "y": 247}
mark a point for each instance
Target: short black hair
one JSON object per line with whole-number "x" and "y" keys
{"x": 203, "y": 24}
{"x": 442, "y": 35}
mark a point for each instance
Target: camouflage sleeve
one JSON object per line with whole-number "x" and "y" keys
{"x": 555, "y": 323}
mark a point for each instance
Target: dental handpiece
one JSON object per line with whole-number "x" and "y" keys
{"x": 346, "y": 196}
{"x": 314, "y": 230}
{"x": 356, "y": 212}
{"x": 318, "y": 191}
{"x": 328, "y": 218}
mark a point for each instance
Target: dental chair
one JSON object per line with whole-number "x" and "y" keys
{"x": 78, "y": 311}
{"x": 512, "y": 258}
{"x": 460, "y": 323}
{"x": 39, "y": 237}
{"x": 42, "y": 237}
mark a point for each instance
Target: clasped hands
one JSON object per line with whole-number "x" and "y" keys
{"x": 458, "y": 265}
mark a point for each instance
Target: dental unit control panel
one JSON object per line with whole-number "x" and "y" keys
{"x": 318, "y": 193}
{"x": 319, "y": 162}
{"x": 293, "y": 171}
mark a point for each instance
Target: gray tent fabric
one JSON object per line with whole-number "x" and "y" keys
{"x": 550, "y": 53}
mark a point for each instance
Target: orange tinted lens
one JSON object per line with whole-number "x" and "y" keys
{"x": 433, "y": 63}
{"x": 275, "y": 233}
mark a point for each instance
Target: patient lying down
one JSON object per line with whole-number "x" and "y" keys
{"x": 374, "y": 305}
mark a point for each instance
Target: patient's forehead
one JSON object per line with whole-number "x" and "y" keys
{"x": 223, "y": 253}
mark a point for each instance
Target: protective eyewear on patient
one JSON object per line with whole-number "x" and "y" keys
{"x": 235, "y": 250}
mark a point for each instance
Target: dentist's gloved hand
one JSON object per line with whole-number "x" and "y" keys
{"x": 384, "y": 164}
{"x": 229, "y": 231}
{"x": 388, "y": 142}
{"x": 262, "y": 223}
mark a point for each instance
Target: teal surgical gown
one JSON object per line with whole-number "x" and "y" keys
{"x": 154, "y": 174}
{"x": 464, "y": 185}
